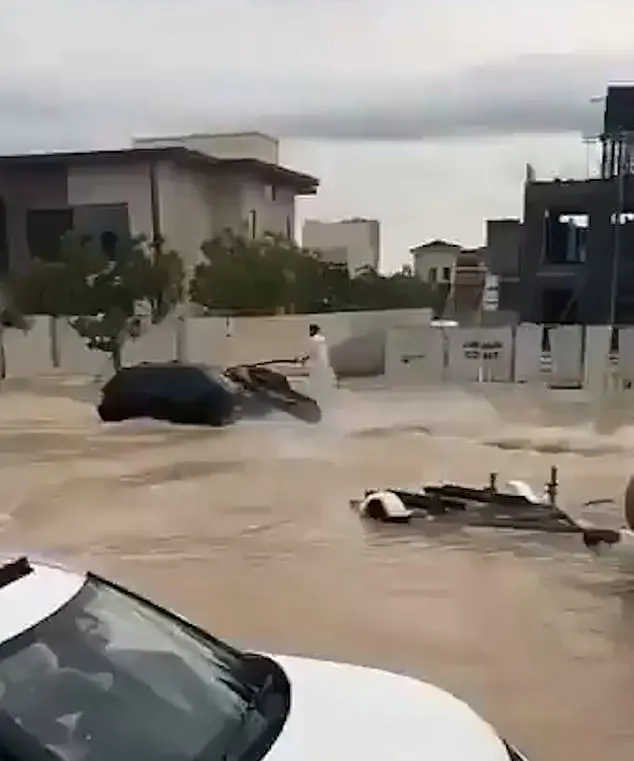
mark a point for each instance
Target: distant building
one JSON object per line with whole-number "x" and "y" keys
{"x": 502, "y": 256}
{"x": 174, "y": 188}
{"x": 357, "y": 242}
{"x": 434, "y": 261}
{"x": 567, "y": 252}
{"x": 222, "y": 145}
{"x": 576, "y": 260}
{"x": 468, "y": 279}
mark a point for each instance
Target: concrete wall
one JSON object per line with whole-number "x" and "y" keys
{"x": 400, "y": 345}
{"x": 357, "y": 341}
{"x": 274, "y": 207}
{"x": 579, "y": 356}
{"x": 415, "y": 357}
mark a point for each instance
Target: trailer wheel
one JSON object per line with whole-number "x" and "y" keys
{"x": 375, "y": 509}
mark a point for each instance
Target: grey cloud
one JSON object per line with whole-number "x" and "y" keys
{"x": 528, "y": 95}
{"x": 532, "y": 95}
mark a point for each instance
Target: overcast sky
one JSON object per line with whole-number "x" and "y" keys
{"x": 420, "y": 112}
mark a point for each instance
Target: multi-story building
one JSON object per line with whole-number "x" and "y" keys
{"x": 577, "y": 250}
{"x": 179, "y": 191}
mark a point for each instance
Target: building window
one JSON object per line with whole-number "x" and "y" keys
{"x": 253, "y": 228}
{"x": 45, "y": 229}
{"x": 565, "y": 238}
{"x": 446, "y": 274}
{"x": 432, "y": 275}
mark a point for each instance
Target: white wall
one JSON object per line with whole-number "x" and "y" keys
{"x": 188, "y": 202}
{"x": 435, "y": 256}
{"x": 28, "y": 354}
{"x": 596, "y": 356}
{"x": 566, "y": 349}
{"x": 357, "y": 342}
{"x": 480, "y": 354}
{"x": 435, "y": 266}
{"x": 415, "y": 356}
{"x": 626, "y": 354}
{"x": 528, "y": 353}
{"x": 400, "y": 344}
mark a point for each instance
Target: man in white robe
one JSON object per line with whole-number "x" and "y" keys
{"x": 322, "y": 380}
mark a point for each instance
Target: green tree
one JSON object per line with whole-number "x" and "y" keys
{"x": 400, "y": 290}
{"x": 102, "y": 295}
{"x": 272, "y": 274}
{"x": 263, "y": 276}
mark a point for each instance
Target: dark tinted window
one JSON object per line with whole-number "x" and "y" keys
{"x": 45, "y": 229}
{"x": 177, "y": 381}
{"x": 110, "y": 677}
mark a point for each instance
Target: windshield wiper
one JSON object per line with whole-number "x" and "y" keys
{"x": 252, "y": 706}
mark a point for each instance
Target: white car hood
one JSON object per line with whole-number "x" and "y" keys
{"x": 341, "y": 712}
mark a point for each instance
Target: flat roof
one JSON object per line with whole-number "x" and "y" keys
{"x": 304, "y": 184}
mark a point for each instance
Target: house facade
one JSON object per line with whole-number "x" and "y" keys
{"x": 183, "y": 195}
{"x": 434, "y": 261}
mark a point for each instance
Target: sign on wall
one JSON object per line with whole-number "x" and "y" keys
{"x": 479, "y": 353}
{"x": 482, "y": 350}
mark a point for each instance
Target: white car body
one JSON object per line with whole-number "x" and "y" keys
{"x": 337, "y": 711}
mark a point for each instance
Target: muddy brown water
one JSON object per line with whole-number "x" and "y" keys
{"x": 248, "y": 532}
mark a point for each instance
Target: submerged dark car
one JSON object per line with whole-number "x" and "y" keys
{"x": 200, "y": 395}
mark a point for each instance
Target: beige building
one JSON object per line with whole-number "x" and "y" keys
{"x": 355, "y": 242}
{"x": 183, "y": 194}
{"x": 434, "y": 261}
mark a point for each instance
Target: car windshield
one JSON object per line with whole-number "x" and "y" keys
{"x": 111, "y": 676}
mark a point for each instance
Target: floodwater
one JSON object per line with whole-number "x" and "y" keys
{"x": 248, "y": 532}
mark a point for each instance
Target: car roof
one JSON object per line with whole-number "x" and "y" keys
{"x": 174, "y": 365}
{"x": 32, "y": 589}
